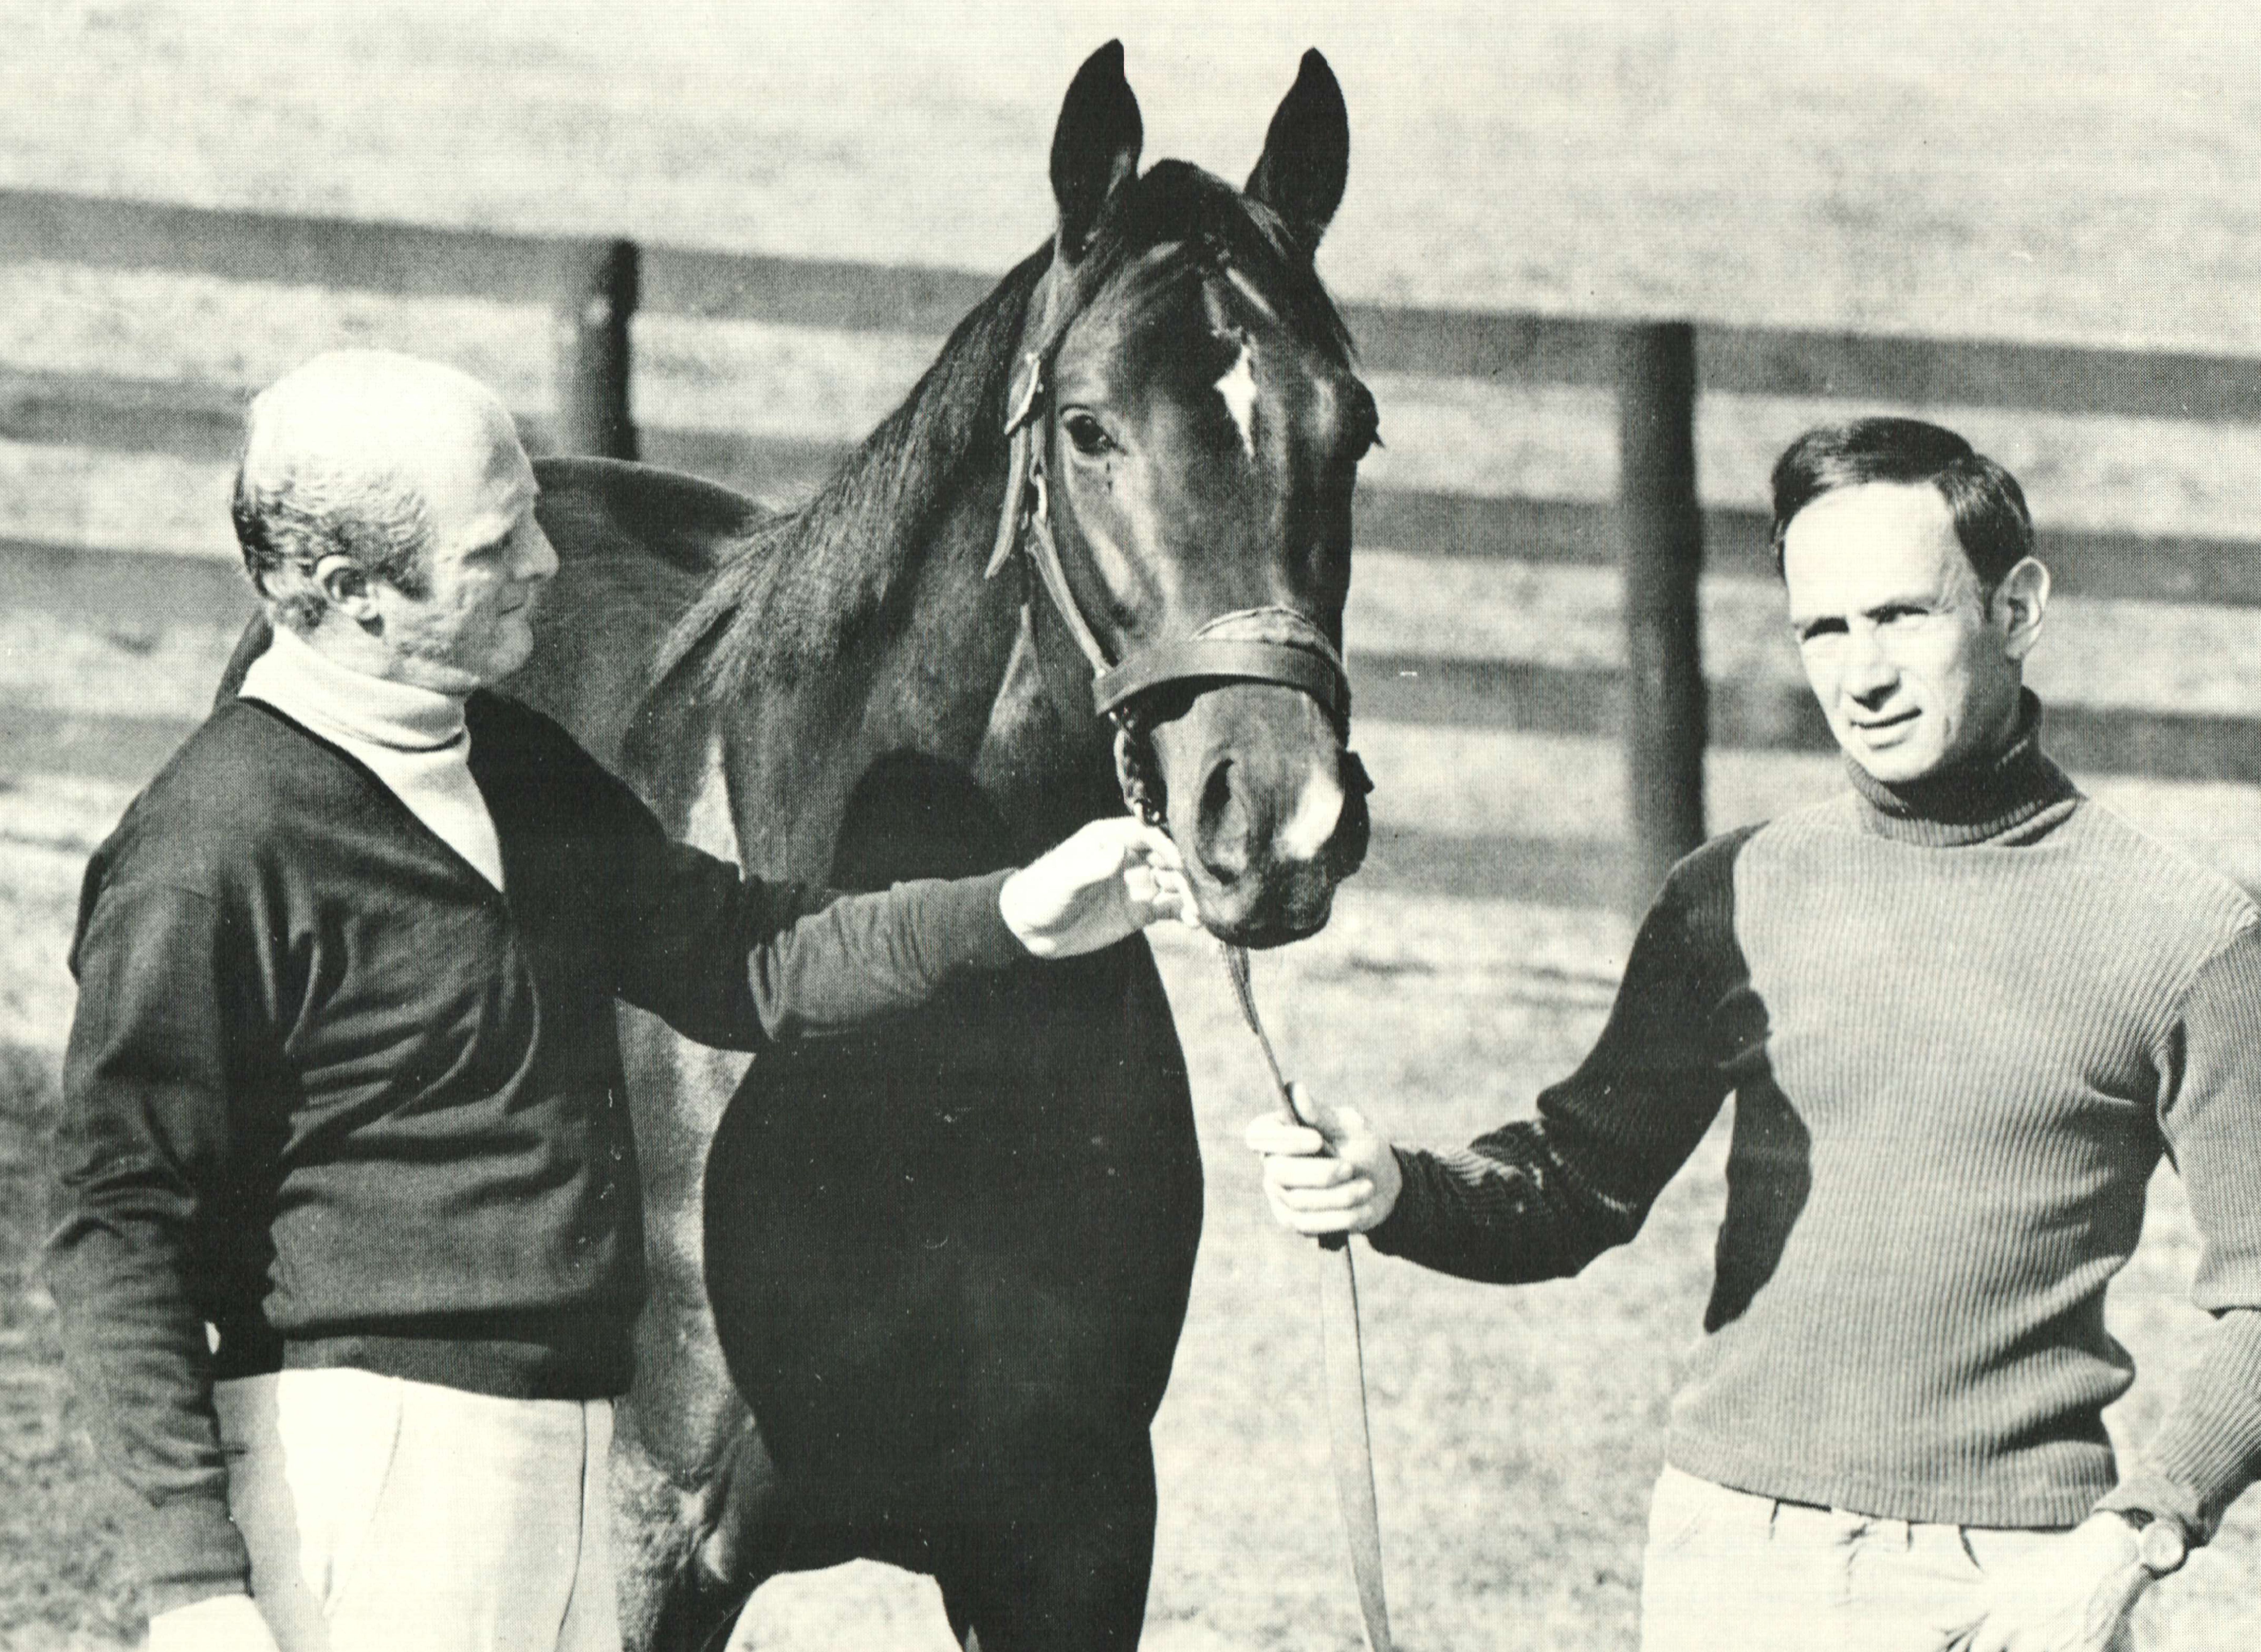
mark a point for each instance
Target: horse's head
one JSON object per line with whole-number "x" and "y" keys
{"x": 1189, "y": 428}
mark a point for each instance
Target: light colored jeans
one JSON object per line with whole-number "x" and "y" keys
{"x": 1725, "y": 1571}
{"x": 384, "y": 1515}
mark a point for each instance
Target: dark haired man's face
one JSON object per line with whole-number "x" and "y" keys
{"x": 1913, "y": 671}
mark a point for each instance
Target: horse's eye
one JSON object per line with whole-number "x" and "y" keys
{"x": 1090, "y": 435}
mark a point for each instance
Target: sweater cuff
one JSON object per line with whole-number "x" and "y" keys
{"x": 2207, "y": 1449}
{"x": 191, "y": 1549}
{"x": 1401, "y": 1231}
{"x": 2148, "y": 1492}
{"x": 968, "y": 927}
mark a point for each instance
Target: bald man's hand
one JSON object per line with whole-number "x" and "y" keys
{"x": 1107, "y": 881}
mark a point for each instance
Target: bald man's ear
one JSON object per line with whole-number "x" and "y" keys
{"x": 345, "y": 585}
{"x": 2018, "y": 605}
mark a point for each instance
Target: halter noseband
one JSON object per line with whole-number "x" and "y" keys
{"x": 1270, "y": 644}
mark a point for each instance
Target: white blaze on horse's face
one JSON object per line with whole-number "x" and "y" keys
{"x": 1237, "y": 388}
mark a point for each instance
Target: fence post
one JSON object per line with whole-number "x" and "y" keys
{"x": 1661, "y": 540}
{"x": 599, "y": 300}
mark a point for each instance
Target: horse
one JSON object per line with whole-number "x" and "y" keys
{"x": 920, "y": 1301}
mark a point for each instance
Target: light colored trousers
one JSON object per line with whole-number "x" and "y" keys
{"x": 384, "y": 1515}
{"x": 1725, "y": 1571}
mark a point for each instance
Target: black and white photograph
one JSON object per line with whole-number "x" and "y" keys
{"x": 866, "y": 827}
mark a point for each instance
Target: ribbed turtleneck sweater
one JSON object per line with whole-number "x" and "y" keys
{"x": 413, "y": 739}
{"x": 1961, "y": 1022}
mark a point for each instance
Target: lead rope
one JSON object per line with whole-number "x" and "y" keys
{"x": 1243, "y": 989}
{"x": 1351, "y": 1444}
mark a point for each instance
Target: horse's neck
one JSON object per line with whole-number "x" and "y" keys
{"x": 961, "y": 678}
{"x": 1044, "y": 760}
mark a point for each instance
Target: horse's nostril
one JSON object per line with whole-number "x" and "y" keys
{"x": 1222, "y": 828}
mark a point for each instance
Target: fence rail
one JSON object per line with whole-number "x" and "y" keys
{"x": 204, "y": 423}
{"x": 420, "y": 262}
{"x": 1655, "y": 531}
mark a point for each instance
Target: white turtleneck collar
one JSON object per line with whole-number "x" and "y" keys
{"x": 317, "y": 690}
{"x": 413, "y": 739}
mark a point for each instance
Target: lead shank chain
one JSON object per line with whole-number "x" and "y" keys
{"x": 1135, "y": 767}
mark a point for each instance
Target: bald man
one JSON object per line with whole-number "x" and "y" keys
{"x": 351, "y": 1246}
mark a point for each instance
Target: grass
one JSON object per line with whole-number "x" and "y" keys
{"x": 2076, "y": 169}
{"x": 1516, "y": 1431}
{"x": 61, "y": 1564}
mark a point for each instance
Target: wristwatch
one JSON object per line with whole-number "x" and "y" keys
{"x": 2161, "y": 1548}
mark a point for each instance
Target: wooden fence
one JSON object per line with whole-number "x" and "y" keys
{"x": 1656, "y": 531}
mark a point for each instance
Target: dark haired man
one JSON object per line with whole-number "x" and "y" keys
{"x": 343, "y": 1084}
{"x": 1963, "y": 1010}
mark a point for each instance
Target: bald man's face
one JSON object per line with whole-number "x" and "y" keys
{"x": 485, "y": 565}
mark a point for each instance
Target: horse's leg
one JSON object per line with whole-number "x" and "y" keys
{"x": 1067, "y": 1570}
{"x": 688, "y": 1550}
{"x": 691, "y": 1484}
{"x": 690, "y": 1554}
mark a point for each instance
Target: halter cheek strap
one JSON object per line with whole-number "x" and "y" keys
{"x": 1028, "y": 521}
{"x": 1269, "y": 645}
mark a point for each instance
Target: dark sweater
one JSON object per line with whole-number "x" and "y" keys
{"x": 331, "y": 1092}
{"x": 1960, "y": 1025}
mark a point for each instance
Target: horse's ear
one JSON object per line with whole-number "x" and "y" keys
{"x": 1306, "y": 154}
{"x": 1095, "y": 146}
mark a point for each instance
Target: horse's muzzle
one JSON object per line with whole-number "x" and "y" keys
{"x": 1263, "y": 888}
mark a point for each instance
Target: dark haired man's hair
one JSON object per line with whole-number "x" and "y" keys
{"x": 1992, "y": 523}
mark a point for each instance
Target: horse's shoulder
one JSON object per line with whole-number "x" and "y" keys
{"x": 603, "y": 508}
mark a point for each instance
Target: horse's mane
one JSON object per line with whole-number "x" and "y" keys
{"x": 803, "y": 586}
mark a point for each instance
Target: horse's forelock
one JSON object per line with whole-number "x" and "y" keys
{"x": 1177, "y": 204}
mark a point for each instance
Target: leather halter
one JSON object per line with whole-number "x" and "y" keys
{"x": 1288, "y": 647}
